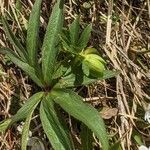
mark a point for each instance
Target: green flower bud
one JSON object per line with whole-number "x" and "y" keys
{"x": 90, "y": 50}
{"x": 95, "y": 64}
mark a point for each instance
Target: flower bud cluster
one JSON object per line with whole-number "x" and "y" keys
{"x": 93, "y": 63}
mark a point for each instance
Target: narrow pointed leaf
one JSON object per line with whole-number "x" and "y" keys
{"x": 53, "y": 128}
{"x": 7, "y": 51}
{"x": 86, "y": 138}
{"x": 72, "y": 81}
{"x": 74, "y": 31}
{"x": 51, "y": 39}
{"x": 74, "y": 105}
{"x": 84, "y": 38}
{"x": 27, "y": 107}
{"x": 24, "y": 66}
{"x": 65, "y": 43}
{"x": 14, "y": 41}
{"x": 4, "y": 125}
{"x": 25, "y": 131}
{"x": 32, "y": 33}
{"x": 22, "y": 112}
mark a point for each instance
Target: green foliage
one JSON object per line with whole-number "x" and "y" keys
{"x": 75, "y": 43}
{"x": 51, "y": 39}
{"x": 137, "y": 137}
{"x": 74, "y": 31}
{"x": 14, "y": 41}
{"x": 93, "y": 65}
{"x": 86, "y": 138}
{"x": 54, "y": 75}
{"x": 53, "y": 128}
{"x": 25, "y": 131}
{"x": 72, "y": 40}
{"x": 32, "y": 33}
{"x": 4, "y": 125}
{"x": 27, "y": 107}
{"x": 85, "y": 36}
{"x": 23, "y": 65}
{"x": 116, "y": 146}
{"x": 73, "y": 104}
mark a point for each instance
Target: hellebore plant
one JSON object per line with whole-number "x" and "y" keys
{"x": 57, "y": 76}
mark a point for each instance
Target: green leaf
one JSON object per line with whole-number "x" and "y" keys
{"x": 65, "y": 43}
{"x": 24, "y": 66}
{"x": 109, "y": 74}
{"x": 65, "y": 38}
{"x": 85, "y": 69}
{"x": 4, "y": 125}
{"x": 7, "y": 51}
{"x": 116, "y": 146}
{"x": 14, "y": 41}
{"x": 51, "y": 39}
{"x": 74, "y": 31}
{"x": 66, "y": 35}
{"x": 53, "y": 128}
{"x": 73, "y": 81}
{"x": 84, "y": 38}
{"x": 86, "y": 138}
{"x": 74, "y": 105}
{"x": 32, "y": 33}
{"x": 137, "y": 137}
{"x": 25, "y": 131}
{"x": 27, "y": 107}
{"x": 59, "y": 71}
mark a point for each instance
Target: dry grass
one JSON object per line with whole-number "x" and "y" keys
{"x": 121, "y": 33}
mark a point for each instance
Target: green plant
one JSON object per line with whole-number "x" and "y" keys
{"x": 56, "y": 75}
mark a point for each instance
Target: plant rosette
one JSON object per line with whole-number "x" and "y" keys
{"x": 56, "y": 83}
